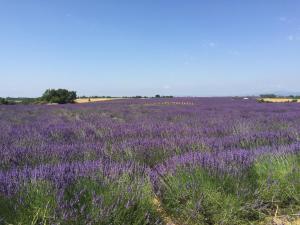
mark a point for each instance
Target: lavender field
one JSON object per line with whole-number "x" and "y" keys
{"x": 157, "y": 161}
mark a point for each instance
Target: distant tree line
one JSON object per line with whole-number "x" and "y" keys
{"x": 294, "y": 96}
{"x": 268, "y": 96}
{"x": 59, "y": 96}
{"x": 3, "y": 101}
{"x": 136, "y": 96}
{"x": 13, "y": 101}
{"x": 96, "y": 96}
{"x": 290, "y": 98}
{"x": 62, "y": 96}
{"x": 163, "y": 96}
{"x": 156, "y": 96}
{"x": 278, "y": 96}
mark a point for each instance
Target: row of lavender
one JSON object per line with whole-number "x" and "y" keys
{"x": 143, "y": 140}
{"x": 39, "y": 134}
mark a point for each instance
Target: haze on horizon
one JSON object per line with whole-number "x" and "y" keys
{"x": 171, "y": 47}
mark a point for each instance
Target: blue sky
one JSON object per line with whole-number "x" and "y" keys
{"x": 145, "y": 47}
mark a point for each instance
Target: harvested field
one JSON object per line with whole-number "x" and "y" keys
{"x": 279, "y": 100}
{"x": 89, "y": 100}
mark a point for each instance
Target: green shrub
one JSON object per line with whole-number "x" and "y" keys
{"x": 260, "y": 100}
{"x": 197, "y": 197}
{"x": 126, "y": 201}
{"x": 278, "y": 180}
{"x": 60, "y": 96}
{"x": 34, "y": 204}
{"x": 3, "y": 101}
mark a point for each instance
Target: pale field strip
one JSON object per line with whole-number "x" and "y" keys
{"x": 163, "y": 214}
{"x": 87, "y": 100}
{"x": 279, "y": 100}
{"x": 280, "y": 220}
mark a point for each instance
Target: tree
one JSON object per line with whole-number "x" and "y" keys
{"x": 268, "y": 96}
{"x": 157, "y": 96}
{"x": 60, "y": 96}
{"x": 3, "y": 101}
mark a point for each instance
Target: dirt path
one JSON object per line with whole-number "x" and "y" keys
{"x": 163, "y": 214}
{"x": 169, "y": 221}
{"x": 280, "y": 221}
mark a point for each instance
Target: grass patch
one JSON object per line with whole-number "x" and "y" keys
{"x": 196, "y": 196}
{"x": 128, "y": 200}
{"x": 34, "y": 204}
{"x": 278, "y": 182}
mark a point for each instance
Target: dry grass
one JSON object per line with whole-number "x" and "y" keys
{"x": 163, "y": 214}
{"x": 87, "y": 100}
{"x": 278, "y": 100}
{"x": 280, "y": 221}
